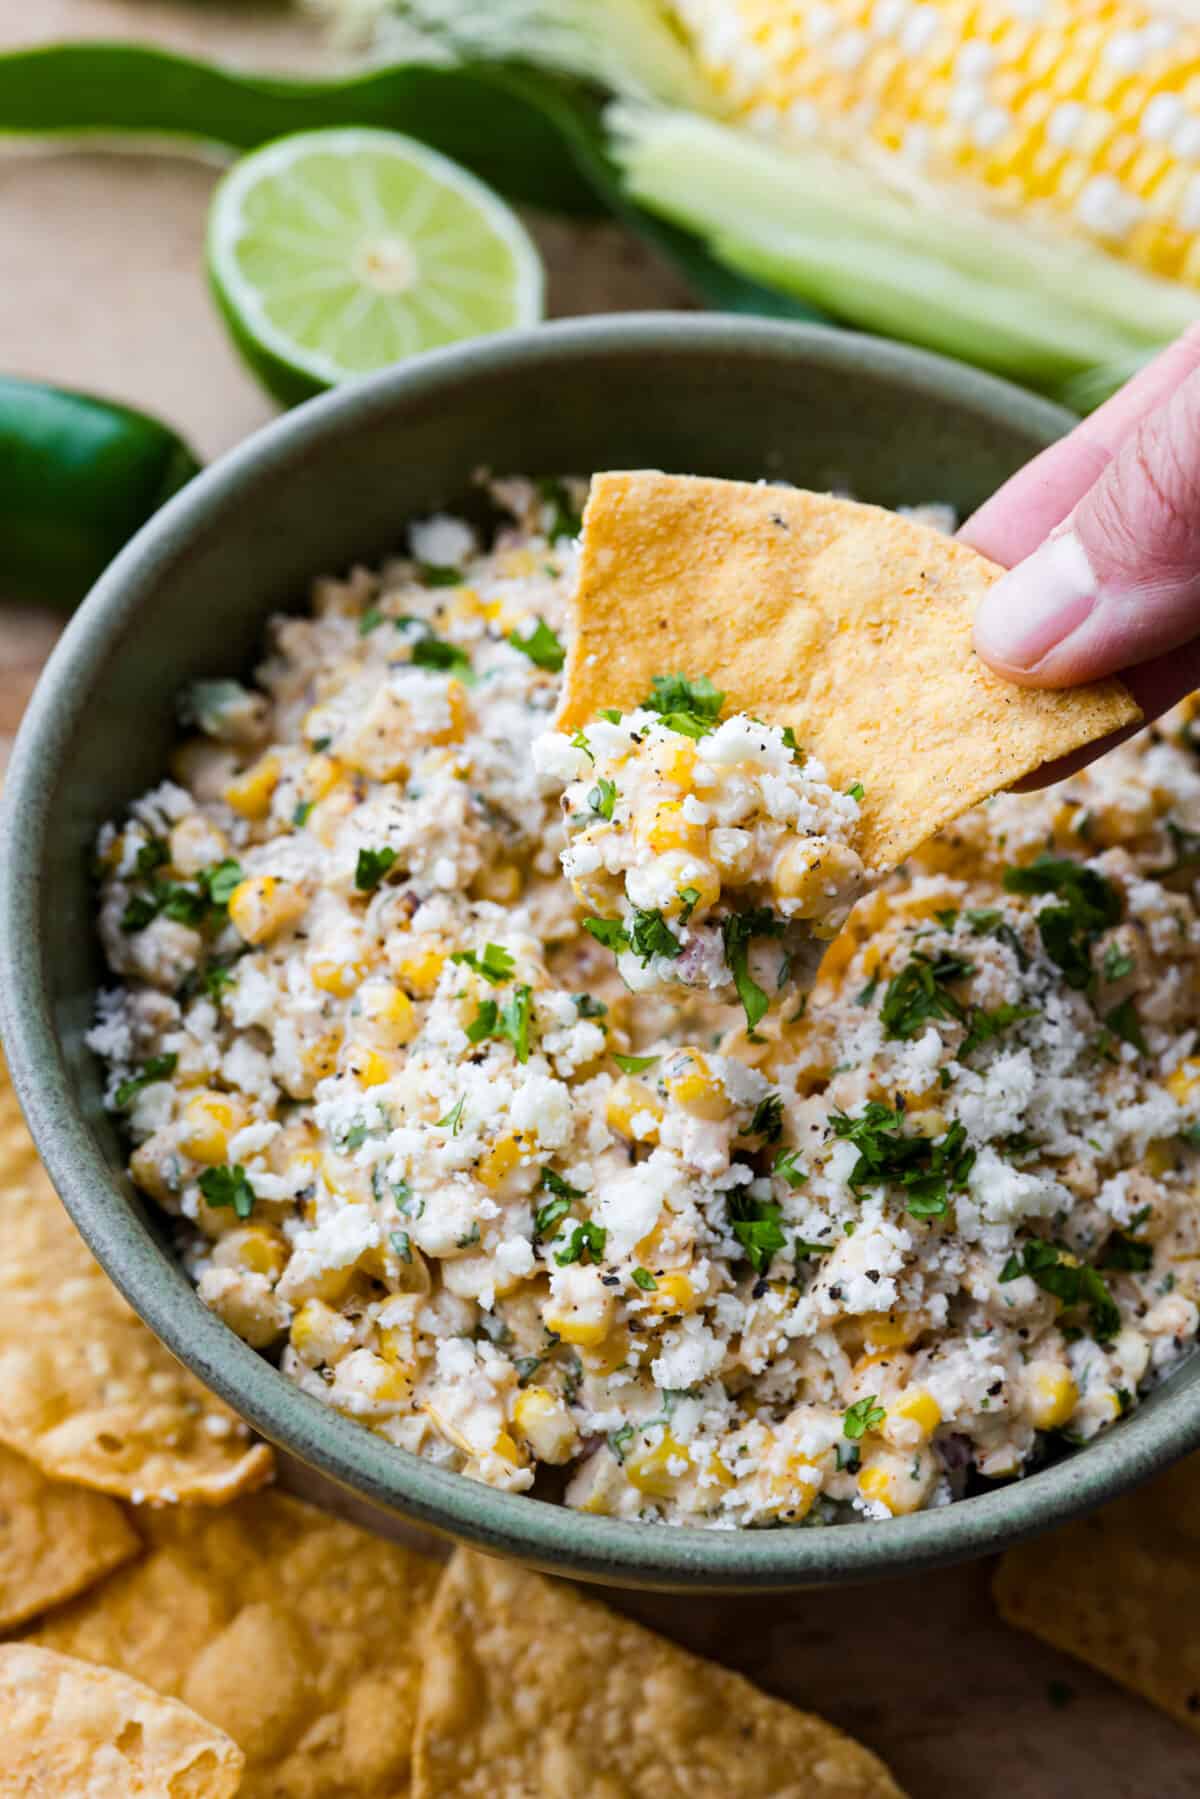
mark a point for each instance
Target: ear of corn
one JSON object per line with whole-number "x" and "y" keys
{"x": 1016, "y": 182}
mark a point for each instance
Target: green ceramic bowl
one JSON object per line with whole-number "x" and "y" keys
{"x": 332, "y": 483}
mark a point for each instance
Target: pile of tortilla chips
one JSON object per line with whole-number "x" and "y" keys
{"x": 206, "y": 1638}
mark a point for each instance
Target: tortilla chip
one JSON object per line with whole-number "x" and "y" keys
{"x": 851, "y": 624}
{"x": 54, "y": 1540}
{"x": 294, "y": 1632}
{"x": 533, "y": 1691}
{"x": 86, "y": 1391}
{"x": 72, "y": 1729}
{"x": 1121, "y": 1590}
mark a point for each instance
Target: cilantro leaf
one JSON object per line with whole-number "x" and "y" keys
{"x": 1185, "y": 846}
{"x": 1124, "y": 1253}
{"x": 643, "y": 1278}
{"x": 496, "y": 965}
{"x": 608, "y": 931}
{"x": 1089, "y": 905}
{"x": 157, "y": 1068}
{"x": 756, "y": 1225}
{"x": 586, "y": 1244}
{"x": 651, "y": 936}
{"x": 454, "y": 1117}
{"x": 786, "y": 1165}
{"x": 1123, "y": 1021}
{"x": 984, "y": 1026}
{"x": 1117, "y": 964}
{"x": 541, "y": 646}
{"x": 920, "y": 992}
{"x": 691, "y": 899}
{"x": 221, "y": 879}
{"x": 603, "y": 797}
{"x": 565, "y": 520}
{"x": 635, "y": 1064}
{"x": 430, "y": 651}
{"x": 861, "y": 1417}
{"x": 554, "y": 1183}
{"x": 402, "y": 1245}
{"x": 580, "y": 742}
{"x": 737, "y": 932}
{"x": 927, "y": 1171}
{"x": 1071, "y": 1282}
{"x": 226, "y": 1186}
{"x": 767, "y": 1121}
{"x": 440, "y": 574}
{"x": 690, "y": 707}
{"x": 371, "y": 867}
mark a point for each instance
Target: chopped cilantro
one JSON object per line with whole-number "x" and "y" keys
{"x": 580, "y": 742}
{"x": 603, "y": 797}
{"x": 1125, "y": 1253}
{"x": 802, "y": 1250}
{"x": 371, "y": 867}
{"x": 767, "y": 1121}
{"x": 789, "y": 743}
{"x": 586, "y": 1242}
{"x": 526, "y": 1367}
{"x": 1124, "y": 1023}
{"x": 217, "y": 976}
{"x": 920, "y": 992}
{"x": 611, "y": 713}
{"x": 221, "y": 880}
{"x": 434, "y": 652}
{"x": 635, "y": 1064}
{"x": 1089, "y": 905}
{"x": 947, "y": 918}
{"x": 157, "y": 1068}
{"x": 856, "y": 791}
{"x": 983, "y": 1026}
{"x": 553, "y": 1182}
{"x": 541, "y": 646}
{"x": 300, "y": 815}
{"x": 926, "y": 1171}
{"x": 861, "y": 1417}
{"x": 495, "y": 964}
{"x": 1185, "y": 847}
{"x": 508, "y": 1019}
{"x": 370, "y": 621}
{"x": 619, "y": 1440}
{"x": 691, "y": 899}
{"x": 440, "y": 574}
{"x": 866, "y": 994}
{"x": 737, "y": 932}
{"x": 1072, "y": 1282}
{"x": 399, "y": 1241}
{"x": 587, "y": 1007}
{"x": 152, "y": 855}
{"x": 608, "y": 931}
{"x": 643, "y": 1278}
{"x": 1117, "y": 964}
{"x": 650, "y": 936}
{"x": 564, "y": 520}
{"x": 756, "y": 1225}
{"x": 226, "y": 1186}
{"x": 786, "y": 1165}
{"x": 454, "y": 1117}
{"x": 690, "y": 707}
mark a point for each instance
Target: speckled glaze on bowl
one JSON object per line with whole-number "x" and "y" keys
{"x": 332, "y": 483}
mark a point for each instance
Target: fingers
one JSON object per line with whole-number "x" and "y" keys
{"x": 1118, "y": 582}
{"x": 1023, "y": 512}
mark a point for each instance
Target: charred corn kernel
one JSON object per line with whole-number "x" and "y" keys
{"x": 895, "y": 1481}
{"x": 261, "y": 907}
{"x": 673, "y": 1292}
{"x": 657, "y": 1471}
{"x": 673, "y": 759}
{"x": 912, "y": 1418}
{"x": 369, "y": 1067}
{"x": 664, "y": 827}
{"x": 209, "y": 1121}
{"x": 321, "y": 775}
{"x": 318, "y": 1333}
{"x": 388, "y": 1016}
{"x": 195, "y": 842}
{"x": 1184, "y": 1083}
{"x": 696, "y": 884}
{"x": 542, "y": 1419}
{"x": 338, "y": 977}
{"x": 633, "y": 1110}
{"x": 421, "y": 970}
{"x": 1053, "y": 1395}
{"x": 691, "y": 1083}
{"x": 507, "y": 1450}
{"x": 500, "y": 1160}
{"x": 250, "y": 792}
{"x": 501, "y": 884}
{"x": 890, "y": 1330}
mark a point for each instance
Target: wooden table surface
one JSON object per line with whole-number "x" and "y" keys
{"x": 103, "y": 289}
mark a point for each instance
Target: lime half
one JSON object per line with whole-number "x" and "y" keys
{"x": 333, "y": 253}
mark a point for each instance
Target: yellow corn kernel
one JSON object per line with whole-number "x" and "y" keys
{"x": 500, "y": 884}
{"x": 210, "y": 1119}
{"x": 515, "y": 564}
{"x": 259, "y": 1249}
{"x": 648, "y": 1469}
{"x": 462, "y": 604}
{"x": 892, "y": 1483}
{"x": 1184, "y": 1083}
{"x": 396, "y": 1383}
{"x": 1160, "y": 1157}
{"x": 692, "y": 1084}
{"x": 664, "y": 827}
{"x": 794, "y": 1487}
{"x": 389, "y": 1017}
{"x": 696, "y": 883}
{"x": 318, "y": 1333}
{"x": 261, "y": 907}
{"x": 890, "y": 1330}
{"x": 319, "y": 1056}
{"x": 543, "y": 1420}
{"x": 421, "y": 970}
{"x": 504, "y": 1155}
{"x": 507, "y": 1450}
{"x": 369, "y": 1067}
{"x": 585, "y": 1333}
{"x": 609, "y": 1355}
{"x": 814, "y": 874}
{"x": 321, "y": 775}
{"x": 337, "y": 977}
{"x": 633, "y": 1110}
{"x": 673, "y": 1292}
{"x": 673, "y": 759}
{"x": 584, "y": 1319}
{"x": 1053, "y": 1395}
{"x": 250, "y": 792}
{"x": 460, "y": 716}
{"x": 911, "y": 1418}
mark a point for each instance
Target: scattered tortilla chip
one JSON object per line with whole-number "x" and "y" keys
{"x": 1121, "y": 1589}
{"x": 80, "y": 1732}
{"x": 294, "y": 1632}
{"x": 849, "y": 623}
{"x": 54, "y": 1540}
{"x": 86, "y": 1391}
{"x": 533, "y": 1691}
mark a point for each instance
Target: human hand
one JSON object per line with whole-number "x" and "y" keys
{"x": 1101, "y": 534}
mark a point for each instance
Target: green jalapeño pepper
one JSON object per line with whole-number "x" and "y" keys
{"x": 78, "y": 476}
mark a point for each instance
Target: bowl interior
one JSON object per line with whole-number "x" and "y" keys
{"x": 333, "y": 484}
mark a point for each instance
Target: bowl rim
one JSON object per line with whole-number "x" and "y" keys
{"x": 547, "y": 1534}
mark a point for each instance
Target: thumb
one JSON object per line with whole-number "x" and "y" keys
{"x": 1119, "y": 580}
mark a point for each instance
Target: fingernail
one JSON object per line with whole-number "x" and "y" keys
{"x": 1035, "y": 605}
